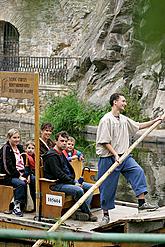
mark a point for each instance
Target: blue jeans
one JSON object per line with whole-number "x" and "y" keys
{"x": 77, "y": 192}
{"x": 20, "y": 190}
{"x": 130, "y": 169}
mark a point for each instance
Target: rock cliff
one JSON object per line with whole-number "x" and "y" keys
{"x": 121, "y": 43}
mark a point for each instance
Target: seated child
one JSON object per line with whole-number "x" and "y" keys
{"x": 30, "y": 168}
{"x": 30, "y": 155}
{"x": 70, "y": 152}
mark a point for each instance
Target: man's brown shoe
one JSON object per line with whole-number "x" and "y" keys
{"x": 78, "y": 215}
{"x": 92, "y": 217}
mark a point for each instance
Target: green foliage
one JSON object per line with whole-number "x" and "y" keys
{"x": 96, "y": 113}
{"x": 70, "y": 114}
{"x": 133, "y": 109}
{"x": 149, "y": 19}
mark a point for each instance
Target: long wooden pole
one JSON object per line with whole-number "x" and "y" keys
{"x": 100, "y": 181}
{"x": 37, "y": 155}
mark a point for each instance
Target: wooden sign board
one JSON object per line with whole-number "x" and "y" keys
{"x": 19, "y": 85}
{"x": 24, "y": 85}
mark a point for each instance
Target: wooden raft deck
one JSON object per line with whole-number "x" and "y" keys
{"x": 124, "y": 219}
{"x": 144, "y": 222}
{"x": 125, "y": 216}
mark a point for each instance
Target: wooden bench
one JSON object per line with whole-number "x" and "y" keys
{"x": 6, "y": 195}
{"x": 91, "y": 177}
{"x": 53, "y": 203}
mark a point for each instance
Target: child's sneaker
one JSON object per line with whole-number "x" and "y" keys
{"x": 17, "y": 212}
{"x": 17, "y": 209}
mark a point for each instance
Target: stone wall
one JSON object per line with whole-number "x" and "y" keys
{"x": 39, "y": 22}
{"x": 103, "y": 33}
{"x": 23, "y": 123}
{"x": 45, "y": 27}
{"x": 10, "y": 118}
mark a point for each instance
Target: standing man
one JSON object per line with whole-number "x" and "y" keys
{"x": 111, "y": 142}
{"x": 56, "y": 166}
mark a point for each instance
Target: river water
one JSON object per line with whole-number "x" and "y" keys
{"x": 151, "y": 157}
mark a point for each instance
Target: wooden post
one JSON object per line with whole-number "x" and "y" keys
{"x": 37, "y": 154}
{"x": 99, "y": 182}
{"x": 24, "y": 85}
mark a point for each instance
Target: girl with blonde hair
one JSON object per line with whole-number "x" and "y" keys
{"x": 12, "y": 164}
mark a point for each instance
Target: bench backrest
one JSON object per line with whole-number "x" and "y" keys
{"x": 78, "y": 167}
{"x": 76, "y": 164}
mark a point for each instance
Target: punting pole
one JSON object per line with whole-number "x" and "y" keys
{"x": 37, "y": 155}
{"x": 100, "y": 181}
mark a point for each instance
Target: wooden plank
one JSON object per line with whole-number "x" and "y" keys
{"x": 50, "y": 208}
{"x": 5, "y": 200}
{"x": 37, "y": 146}
{"x": 138, "y": 222}
{"x": 77, "y": 166}
{"x": 93, "y": 244}
{"x": 90, "y": 176}
{"x": 13, "y": 222}
{"x": 135, "y": 245}
{"x": 118, "y": 224}
{"x": 143, "y": 227}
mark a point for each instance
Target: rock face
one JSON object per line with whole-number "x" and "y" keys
{"x": 118, "y": 47}
{"x": 117, "y": 51}
{"x": 121, "y": 43}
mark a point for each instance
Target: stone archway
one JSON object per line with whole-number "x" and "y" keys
{"x": 9, "y": 39}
